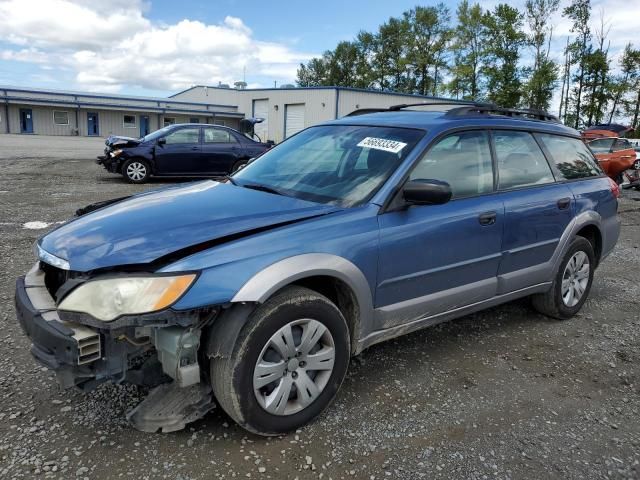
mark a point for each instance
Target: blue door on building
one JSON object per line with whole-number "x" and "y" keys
{"x": 26, "y": 120}
{"x": 144, "y": 125}
{"x": 93, "y": 128}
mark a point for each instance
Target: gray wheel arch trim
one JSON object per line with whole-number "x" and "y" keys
{"x": 582, "y": 220}
{"x": 277, "y": 275}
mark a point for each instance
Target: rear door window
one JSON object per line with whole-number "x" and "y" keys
{"x": 571, "y": 156}
{"x": 217, "y": 135}
{"x": 521, "y": 163}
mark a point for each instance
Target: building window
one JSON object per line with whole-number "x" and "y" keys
{"x": 169, "y": 121}
{"x": 60, "y": 118}
{"x": 129, "y": 121}
{"x": 194, "y": 120}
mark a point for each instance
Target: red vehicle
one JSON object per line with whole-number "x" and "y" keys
{"x": 614, "y": 154}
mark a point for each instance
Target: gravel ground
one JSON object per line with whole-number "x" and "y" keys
{"x": 506, "y": 393}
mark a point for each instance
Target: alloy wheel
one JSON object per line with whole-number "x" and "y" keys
{"x": 136, "y": 171}
{"x": 294, "y": 367}
{"x": 575, "y": 278}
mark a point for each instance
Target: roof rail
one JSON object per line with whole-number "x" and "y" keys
{"x": 521, "y": 113}
{"x": 364, "y": 111}
{"x": 395, "y": 108}
{"x": 401, "y": 106}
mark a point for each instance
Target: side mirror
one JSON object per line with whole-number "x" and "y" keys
{"x": 162, "y": 141}
{"x": 426, "y": 192}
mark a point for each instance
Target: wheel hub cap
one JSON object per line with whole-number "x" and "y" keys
{"x": 294, "y": 367}
{"x": 575, "y": 279}
{"x": 136, "y": 171}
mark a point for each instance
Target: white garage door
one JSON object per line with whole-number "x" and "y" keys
{"x": 294, "y": 120}
{"x": 261, "y": 110}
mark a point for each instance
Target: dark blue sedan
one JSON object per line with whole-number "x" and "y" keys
{"x": 185, "y": 150}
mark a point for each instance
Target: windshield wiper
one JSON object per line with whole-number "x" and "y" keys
{"x": 262, "y": 188}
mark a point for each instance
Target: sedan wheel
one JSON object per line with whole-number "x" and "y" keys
{"x": 136, "y": 171}
{"x": 294, "y": 367}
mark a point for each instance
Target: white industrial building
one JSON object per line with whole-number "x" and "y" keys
{"x": 285, "y": 110}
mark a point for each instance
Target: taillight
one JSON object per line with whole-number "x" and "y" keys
{"x": 615, "y": 188}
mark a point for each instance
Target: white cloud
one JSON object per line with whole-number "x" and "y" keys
{"x": 111, "y": 44}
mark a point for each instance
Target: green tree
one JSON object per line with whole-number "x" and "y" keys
{"x": 469, "y": 37}
{"x": 544, "y": 74}
{"x": 505, "y": 39}
{"x": 579, "y": 12}
{"x": 313, "y": 74}
{"x": 393, "y": 38}
{"x": 429, "y": 33}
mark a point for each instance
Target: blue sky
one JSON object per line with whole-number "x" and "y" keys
{"x": 159, "y": 47}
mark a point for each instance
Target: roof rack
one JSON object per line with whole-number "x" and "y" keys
{"x": 521, "y": 113}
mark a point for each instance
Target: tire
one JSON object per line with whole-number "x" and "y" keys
{"x": 136, "y": 170}
{"x": 238, "y": 165}
{"x": 238, "y": 386}
{"x": 552, "y": 303}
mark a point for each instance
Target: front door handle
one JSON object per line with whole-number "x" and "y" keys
{"x": 564, "y": 203}
{"x": 195, "y": 148}
{"x": 487, "y": 218}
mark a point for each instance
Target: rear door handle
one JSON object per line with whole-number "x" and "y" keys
{"x": 564, "y": 203}
{"x": 195, "y": 148}
{"x": 487, "y": 218}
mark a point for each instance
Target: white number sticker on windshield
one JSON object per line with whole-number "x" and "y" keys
{"x": 382, "y": 144}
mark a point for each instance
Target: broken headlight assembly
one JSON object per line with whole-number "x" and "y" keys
{"x": 110, "y": 298}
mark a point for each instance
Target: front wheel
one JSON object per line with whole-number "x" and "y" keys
{"x": 572, "y": 283}
{"x": 136, "y": 170}
{"x": 287, "y": 365}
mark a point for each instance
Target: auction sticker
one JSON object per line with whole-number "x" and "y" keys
{"x": 392, "y": 146}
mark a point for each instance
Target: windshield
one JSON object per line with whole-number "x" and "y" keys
{"x": 337, "y": 164}
{"x": 157, "y": 134}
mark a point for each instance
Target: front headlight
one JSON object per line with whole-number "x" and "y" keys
{"x": 108, "y": 299}
{"x": 115, "y": 153}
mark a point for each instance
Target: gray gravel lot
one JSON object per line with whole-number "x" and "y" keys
{"x": 506, "y": 393}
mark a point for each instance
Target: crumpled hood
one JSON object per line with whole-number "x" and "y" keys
{"x": 149, "y": 226}
{"x": 118, "y": 141}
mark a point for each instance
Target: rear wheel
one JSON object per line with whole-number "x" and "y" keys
{"x": 287, "y": 365}
{"x": 572, "y": 283}
{"x": 136, "y": 170}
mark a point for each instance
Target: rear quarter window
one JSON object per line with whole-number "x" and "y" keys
{"x": 572, "y": 157}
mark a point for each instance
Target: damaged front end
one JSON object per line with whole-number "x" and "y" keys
{"x": 158, "y": 349}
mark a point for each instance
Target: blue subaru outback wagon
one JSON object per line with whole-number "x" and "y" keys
{"x": 254, "y": 292}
